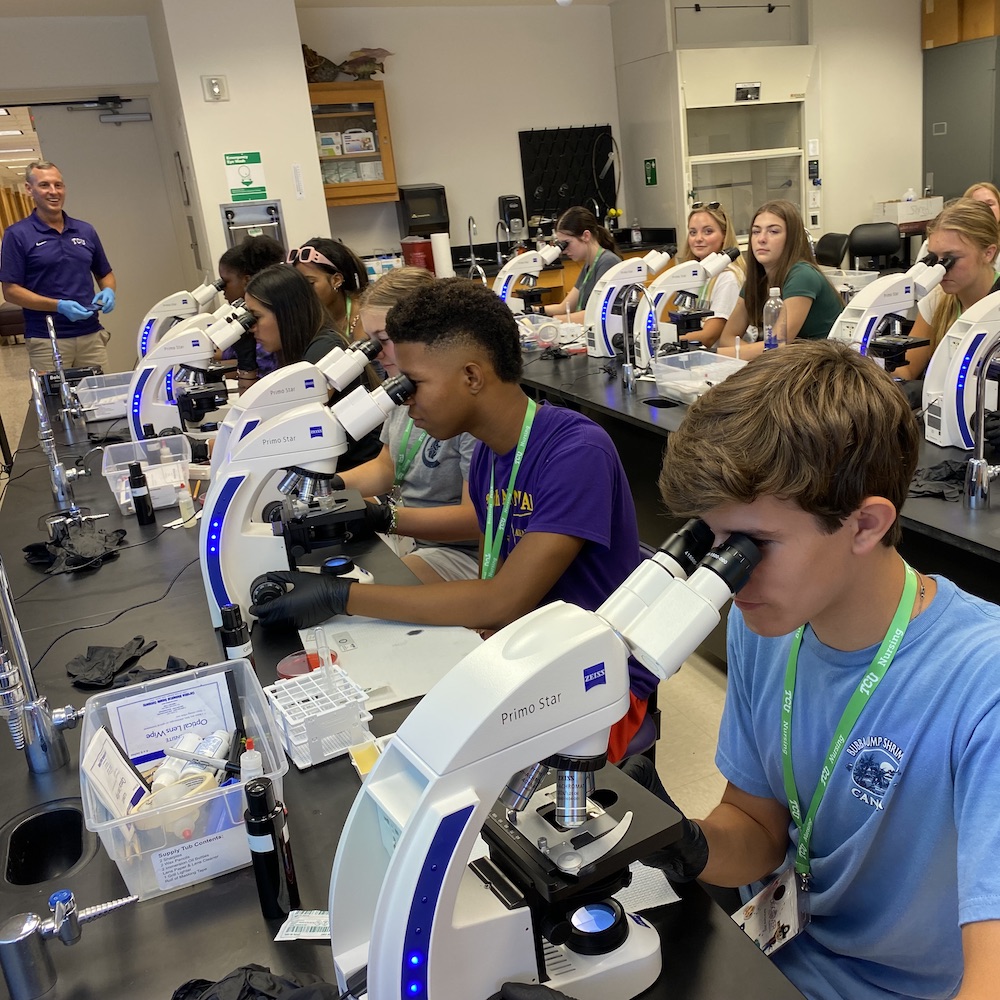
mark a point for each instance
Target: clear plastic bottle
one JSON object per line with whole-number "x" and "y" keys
{"x": 251, "y": 763}
{"x": 636, "y": 231}
{"x": 185, "y": 504}
{"x": 910, "y": 195}
{"x": 170, "y": 770}
{"x": 774, "y": 320}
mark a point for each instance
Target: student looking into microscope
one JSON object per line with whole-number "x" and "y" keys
{"x": 554, "y": 508}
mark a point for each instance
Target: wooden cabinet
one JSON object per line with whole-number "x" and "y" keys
{"x": 353, "y": 142}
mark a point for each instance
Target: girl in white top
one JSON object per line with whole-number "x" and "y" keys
{"x": 968, "y": 231}
{"x": 709, "y": 230}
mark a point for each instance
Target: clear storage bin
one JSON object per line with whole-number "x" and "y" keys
{"x": 104, "y": 397}
{"x": 685, "y": 377}
{"x": 166, "y": 461}
{"x": 199, "y": 836}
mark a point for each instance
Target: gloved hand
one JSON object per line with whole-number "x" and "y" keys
{"x": 313, "y": 599}
{"x": 73, "y": 311}
{"x": 528, "y": 991}
{"x": 685, "y": 859}
{"x": 245, "y": 350}
{"x": 104, "y": 300}
{"x": 378, "y": 517}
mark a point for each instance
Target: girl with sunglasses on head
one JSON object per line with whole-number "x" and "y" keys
{"x": 588, "y": 242}
{"x": 291, "y": 323}
{"x": 337, "y": 277}
{"x": 709, "y": 231}
{"x": 780, "y": 257}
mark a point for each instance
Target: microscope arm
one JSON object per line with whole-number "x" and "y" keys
{"x": 526, "y": 265}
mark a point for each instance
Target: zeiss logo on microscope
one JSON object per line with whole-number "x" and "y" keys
{"x": 592, "y": 676}
{"x": 310, "y": 383}
{"x": 315, "y": 432}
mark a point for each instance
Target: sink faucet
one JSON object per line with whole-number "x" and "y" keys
{"x": 500, "y": 255}
{"x": 35, "y": 728}
{"x": 26, "y": 963}
{"x": 979, "y": 473}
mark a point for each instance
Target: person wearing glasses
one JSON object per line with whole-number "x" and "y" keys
{"x": 709, "y": 231}
{"x": 428, "y": 514}
{"x": 780, "y": 257}
{"x": 337, "y": 277}
{"x": 593, "y": 246}
{"x": 291, "y": 324}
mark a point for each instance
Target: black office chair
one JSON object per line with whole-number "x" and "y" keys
{"x": 831, "y": 248}
{"x": 874, "y": 245}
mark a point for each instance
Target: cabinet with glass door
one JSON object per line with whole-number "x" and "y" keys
{"x": 353, "y": 142}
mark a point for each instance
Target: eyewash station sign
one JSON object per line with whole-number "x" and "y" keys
{"x": 245, "y": 174}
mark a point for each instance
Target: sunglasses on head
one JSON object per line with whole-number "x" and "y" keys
{"x": 706, "y": 204}
{"x": 309, "y": 255}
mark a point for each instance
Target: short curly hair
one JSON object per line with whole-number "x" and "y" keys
{"x": 457, "y": 311}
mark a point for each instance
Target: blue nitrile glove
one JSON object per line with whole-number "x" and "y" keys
{"x": 309, "y": 599}
{"x": 73, "y": 311}
{"x": 686, "y": 858}
{"x": 104, "y": 300}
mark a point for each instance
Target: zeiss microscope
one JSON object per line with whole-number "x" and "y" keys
{"x": 683, "y": 281}
{"x": 191, "y": 346}
{"x": 603, "y": 316}
{"x": 239, "y": 540}
{"x": 878, "y": 318}
{"x": 171, "y": 310}
{"x": 949, "y": 397}
{"x": 523, "y": 268}
{"x": 409, "y": 915}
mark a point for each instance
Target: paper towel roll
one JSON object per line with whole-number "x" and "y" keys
{"x": 441, "y": 251}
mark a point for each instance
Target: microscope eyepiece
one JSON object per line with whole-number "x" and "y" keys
{"x": 689, "y": 544}
{"x": 733, "y": 561}
{"x": 370, "y": 348}
{"x": 947, "y": 261}
{"x": 398, "y": 388}
{"x": 930, "y": 258}
{"x": 733, "y": 253}
{"x": 562, "y": 244}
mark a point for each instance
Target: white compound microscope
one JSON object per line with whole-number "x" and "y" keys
{"x": 523, "y": 268}
{"x": 287, "y": 387}
{"x": 877, "y": 319}
{"x": 410, "y": 916}
{"x": 681, "y": 281}
{"x": 949, "y": 396}
{"x": 171, "y": 310}
{"x": 192, "y": 345}
{"x": 240, "y": 540}
{"x": 603, "y": 317}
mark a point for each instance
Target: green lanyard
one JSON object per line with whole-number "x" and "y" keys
{"x": 406, "y": 456}
{"x": 492, "y": 542}
{"x": 875, "y": 673}
{"x": 593, "y": 264}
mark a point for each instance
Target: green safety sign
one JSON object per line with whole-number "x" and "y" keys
{"x": 649, "y": 167}
{"x": 245, "y": 176}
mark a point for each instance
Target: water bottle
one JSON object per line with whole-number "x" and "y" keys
{"x": 910, "y": 195}
{"x": 774, "y": 320}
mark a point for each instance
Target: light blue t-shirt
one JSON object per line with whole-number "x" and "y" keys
{"x": 907, "y": 839}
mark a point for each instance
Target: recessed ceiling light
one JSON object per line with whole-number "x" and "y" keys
{"x": 11, "y": 131}
{"x": 4, "y": 111}
{"x": 26, "y": 149}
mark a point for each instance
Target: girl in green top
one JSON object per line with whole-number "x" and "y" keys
{"x": 780, "y": 257}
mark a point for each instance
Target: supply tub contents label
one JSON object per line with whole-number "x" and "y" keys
{"x": 198, "y": 860}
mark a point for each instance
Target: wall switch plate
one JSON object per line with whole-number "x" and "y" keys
{"x": 814, "y": 197}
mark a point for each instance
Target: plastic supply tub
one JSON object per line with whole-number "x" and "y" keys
{"x": 166, "y": 461}
{"x": 104, "y": 397}
{"x": 196, "y": 837}
{"x": 685, "y": 377}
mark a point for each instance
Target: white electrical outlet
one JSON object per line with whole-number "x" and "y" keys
{"x": 814, "y": 197}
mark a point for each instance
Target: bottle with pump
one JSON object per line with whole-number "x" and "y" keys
{"x": 141, "y": 499}
{"x": 185, "y": 504}
{"x": 774, "y": 320}
{"x": 235, "y": 634}
{"x": 270, "y": 851}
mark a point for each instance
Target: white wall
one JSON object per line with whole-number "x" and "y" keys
{"x": 461, "y": 84}
{"x": 871, "y": 69}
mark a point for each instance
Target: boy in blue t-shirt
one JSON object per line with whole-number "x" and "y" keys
{"x": 810, "y": 452}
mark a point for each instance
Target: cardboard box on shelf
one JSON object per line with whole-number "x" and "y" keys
{"x": 907, "y": 211}
{"x": 330, "y": 143}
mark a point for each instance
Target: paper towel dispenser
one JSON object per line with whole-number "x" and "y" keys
{"x": 422, "y": 209}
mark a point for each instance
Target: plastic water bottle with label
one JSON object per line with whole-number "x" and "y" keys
{"x": 774, "y": 320}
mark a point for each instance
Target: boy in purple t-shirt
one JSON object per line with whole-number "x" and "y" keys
{"x": 555, "y": 511}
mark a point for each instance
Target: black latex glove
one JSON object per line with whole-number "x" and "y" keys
{"x": 313, "y": 599}
{"x": 685, "y": 859}
{"x": 378, "y": 517}
{"x": 245, "y": 350}
{"x": 85, "y": 546}
{"x": 98, "y": 667}
{"x": 139, "y": 675}
{"x": 199, "y": 449}
{"x": 528, "y": 991}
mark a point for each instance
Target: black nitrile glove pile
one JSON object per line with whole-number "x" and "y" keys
{"x": 945, "y": 480}
{"x": 139, "y": 675}
{"x": 86, "y": 546}
{"x": 97, "y": 669}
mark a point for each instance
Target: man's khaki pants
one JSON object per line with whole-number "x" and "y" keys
{"x": 76, "y": 352}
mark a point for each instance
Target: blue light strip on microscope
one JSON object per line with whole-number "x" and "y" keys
{"x": 144, "y": 339}
{"x": 168, "y": 384}
{"x": 505, "y": 288}
{"x": 213, "y": 554}
{"x": 247, "y": 428}
{"x": 135, "y": 409}
{"x": 866, "y": 336}
{"x": 604, "y": 323}
{"x": 963, "y": 377}
{"x": 416, "y": 938}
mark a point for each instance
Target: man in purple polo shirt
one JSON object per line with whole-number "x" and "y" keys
{"x": 48, "y": 264}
